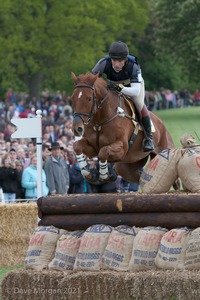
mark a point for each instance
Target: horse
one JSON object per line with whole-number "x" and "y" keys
{"x": 106, "y": 126}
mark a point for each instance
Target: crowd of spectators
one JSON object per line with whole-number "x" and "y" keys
{"x": 167, "y": 99}
{"x": 16, "y": 155}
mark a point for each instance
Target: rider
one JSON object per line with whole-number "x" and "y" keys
{"x": 124, "y": 75}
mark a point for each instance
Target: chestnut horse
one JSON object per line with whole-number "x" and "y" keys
{"x": 107, "y": 128}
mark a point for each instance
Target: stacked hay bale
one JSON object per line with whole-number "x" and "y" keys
{"x": 18, "y": 222}
{"x": 104, "y": 285}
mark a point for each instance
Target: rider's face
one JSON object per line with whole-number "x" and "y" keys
{"x": 118, "y": 64}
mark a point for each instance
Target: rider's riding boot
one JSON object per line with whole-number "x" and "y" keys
{"x": 148, "y": 144}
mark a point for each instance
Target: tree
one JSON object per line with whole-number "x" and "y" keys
{"x": 159, "y": 70}
{"x": 44, "y": 40}
{"x": 177, "y": 33}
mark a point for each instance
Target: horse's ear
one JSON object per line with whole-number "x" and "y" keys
{"x": 95, "y": 78}
{"x": 74, "y": 78}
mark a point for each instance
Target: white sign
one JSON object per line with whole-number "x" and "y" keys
{"x": 27, "y": 128}
{"x": 31, "y": 128}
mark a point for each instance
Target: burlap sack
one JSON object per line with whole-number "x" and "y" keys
{"x": 192, "y": 255}
{"x": 145, "y": 248}
{"x": 189, "y": 169}
{"x": 42, "y": 247}
{"x": 171, "y": 253}
{"x": 161, "y": 172}
{"x": 66, "y": 250}
{"x": 188, "y": 140}
{"x": 92, "y": 246}
{"x": 119, "y": 248}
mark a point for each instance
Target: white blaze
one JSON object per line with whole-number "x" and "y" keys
{"x": 80, "y": 94}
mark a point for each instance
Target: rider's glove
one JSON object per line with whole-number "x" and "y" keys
{"x": 115, "y": 86}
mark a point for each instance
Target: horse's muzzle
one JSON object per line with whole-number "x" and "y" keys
{"x": 78, "y": 131}
{"x": 78, "y": 127}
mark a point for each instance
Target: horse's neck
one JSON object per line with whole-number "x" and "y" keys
{"x": 107, "y": 103}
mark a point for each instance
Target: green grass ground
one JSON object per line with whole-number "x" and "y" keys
{"x": 5, "y": 270}
{"x": 181, "y": 120}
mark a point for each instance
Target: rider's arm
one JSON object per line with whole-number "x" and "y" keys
{"x": 136, "y": 80}
{"x": 99, "y": 67}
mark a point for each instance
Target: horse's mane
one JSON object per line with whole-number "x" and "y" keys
{"x": 88, "y": 77}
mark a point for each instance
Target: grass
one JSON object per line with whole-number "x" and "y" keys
{"x": 181, "y": 120}
{"x": 5, "y": 270}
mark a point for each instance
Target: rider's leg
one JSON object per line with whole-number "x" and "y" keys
{"x": 148, "y": 144}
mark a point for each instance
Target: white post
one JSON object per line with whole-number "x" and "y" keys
{"x": 39, "y": 157}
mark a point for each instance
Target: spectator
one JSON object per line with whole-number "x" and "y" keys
{"x": 78, "y": 185}
{"x": 21, "y": 156}
{"x": 45, "y": 152}
{"x": 169, "y": 99}
{"x": 196, "y": 98}
{"x": 20, "y": 194}
{"x": 76, "y": 178}
{"x": 8, "y": 132}
{"x": 13, "y": 155}
{"x": 9, "y": 179}
{"x": 52, "y": 133}
{"x": 30, "y": 180}
{"x": 14, "y": 144}
{"x": 57, "y": 171}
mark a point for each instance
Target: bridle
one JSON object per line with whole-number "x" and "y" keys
{"x": 91, "y": 114}
{"x": 94, "y": 104}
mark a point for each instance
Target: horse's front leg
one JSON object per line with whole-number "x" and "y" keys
{"x": 113, "y": 152}
{"x": 83, "y": 149}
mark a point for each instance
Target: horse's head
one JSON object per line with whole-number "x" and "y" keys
{"x": 84, "y": 101}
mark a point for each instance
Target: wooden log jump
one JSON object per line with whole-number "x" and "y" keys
{"x": 118, "y": 203}
{"x": 78, "y": 212}
{"x": 83, "y": 221}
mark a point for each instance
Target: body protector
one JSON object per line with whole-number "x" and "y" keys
{"x": 130, "y": 76}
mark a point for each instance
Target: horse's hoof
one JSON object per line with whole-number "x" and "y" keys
{"x": 93, "y": 176}
{"x": 112, "y": 176}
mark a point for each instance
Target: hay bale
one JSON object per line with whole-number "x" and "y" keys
{"x": 104, "y": 285}
{"x": 18, "y": 222}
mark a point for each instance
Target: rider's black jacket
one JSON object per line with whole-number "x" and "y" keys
{"x": 130, "y": 73}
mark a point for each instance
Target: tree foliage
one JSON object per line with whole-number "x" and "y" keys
{"x": 159, "y": 68}
{"x": 42, "y": 41}
{"x": 177, "y": 27}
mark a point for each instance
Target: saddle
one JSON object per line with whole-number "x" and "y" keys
{"x": 135, "y": 118}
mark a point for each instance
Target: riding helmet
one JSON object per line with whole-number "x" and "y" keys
{"x": 119, "y": 50}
